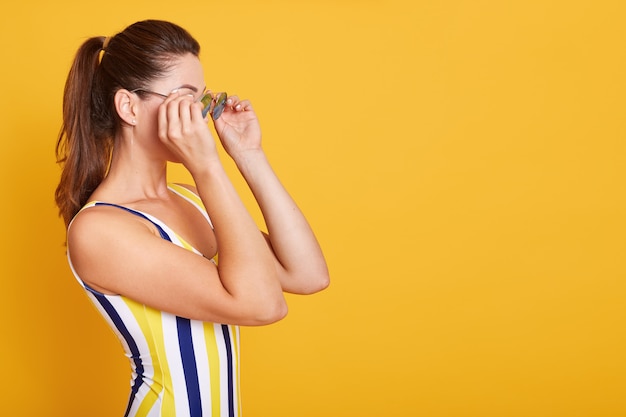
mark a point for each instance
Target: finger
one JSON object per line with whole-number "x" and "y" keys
{"x": 173, "y": 115}
{"x": 184, "y": 114}
{"x": 171, "y": 97}
{"x": 244, "y": 105}
{"x": 196, "y": 112}
{"x": 232, "y": 102}
{"x": 237, "y": 105}
{"x": 165, "y": 117}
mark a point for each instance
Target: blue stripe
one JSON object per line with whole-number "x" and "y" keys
{"x": 190, "y": 369}
{"x": 162, "y": 232}
{"x": 231, "y": 370}
{"x": 121, "y": 327}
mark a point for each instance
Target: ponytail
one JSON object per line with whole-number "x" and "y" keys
{"x": 83, "y": 147}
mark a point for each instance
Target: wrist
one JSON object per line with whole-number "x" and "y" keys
{"x": 208, "y": 169}
{"x": 248, "y": 159}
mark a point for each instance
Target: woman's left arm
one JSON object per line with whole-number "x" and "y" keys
{"x": 300, "y": 262}
{"x": 299, "y": 259}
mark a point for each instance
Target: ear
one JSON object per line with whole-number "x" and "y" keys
{"x": 126, "y": 105}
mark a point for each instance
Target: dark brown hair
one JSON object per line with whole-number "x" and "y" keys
{"x": 131, "y": 59}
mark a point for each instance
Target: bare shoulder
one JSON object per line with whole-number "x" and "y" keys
{"x": 104, "y": 220}
{"x": 100, "y": 236}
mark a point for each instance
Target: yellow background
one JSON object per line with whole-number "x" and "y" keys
{"x": 462, "y": 162}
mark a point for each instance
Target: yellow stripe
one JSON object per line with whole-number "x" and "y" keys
{"x": 187, "y": 193}
{"x": 185, "y": 244}
{"x": 152, "y": 395}
{"x": 149, "y": 321}
{"x": 214, "y": 367}
{"x": 168, "y": 407}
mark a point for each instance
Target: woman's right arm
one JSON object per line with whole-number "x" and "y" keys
{"x": 117, "y": 252}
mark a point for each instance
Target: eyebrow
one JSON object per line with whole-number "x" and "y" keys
{"x": 189, "y": 86}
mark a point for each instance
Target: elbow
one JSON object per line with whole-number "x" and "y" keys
{"x": 320, "y": 279}
{"x": 278, "y": 311}
{"x": 271, "y": 312}
{"x": 281, "y": 310}
{"x": 316, "y": 283}
{"x": 322, "y": 282}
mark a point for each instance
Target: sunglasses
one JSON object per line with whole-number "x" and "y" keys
{"x": 214, "y": 104}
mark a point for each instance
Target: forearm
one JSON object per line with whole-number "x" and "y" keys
{"x": 297, "y": 251}
{"x": 246, "y": 266}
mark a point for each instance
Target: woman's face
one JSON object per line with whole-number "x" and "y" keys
{"x": 187, "y": 77}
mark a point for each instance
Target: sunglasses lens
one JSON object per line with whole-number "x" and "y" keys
{"x": 220, "y": 104}
{"x": 206, "y": 101}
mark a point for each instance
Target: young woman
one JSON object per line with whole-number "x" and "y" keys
{"x": 145, "y": 250}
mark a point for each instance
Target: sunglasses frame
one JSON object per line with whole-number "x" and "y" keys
{"x": 214, "y": 104}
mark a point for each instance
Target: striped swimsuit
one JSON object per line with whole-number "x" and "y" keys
{"x": 180, "y": 367}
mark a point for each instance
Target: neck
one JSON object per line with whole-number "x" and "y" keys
{"x": 134, "y": 175}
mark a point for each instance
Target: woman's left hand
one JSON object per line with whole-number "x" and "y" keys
{"x": 238, "y": 127}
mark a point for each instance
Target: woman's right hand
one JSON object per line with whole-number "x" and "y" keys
{"x": 183, "y": 130}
